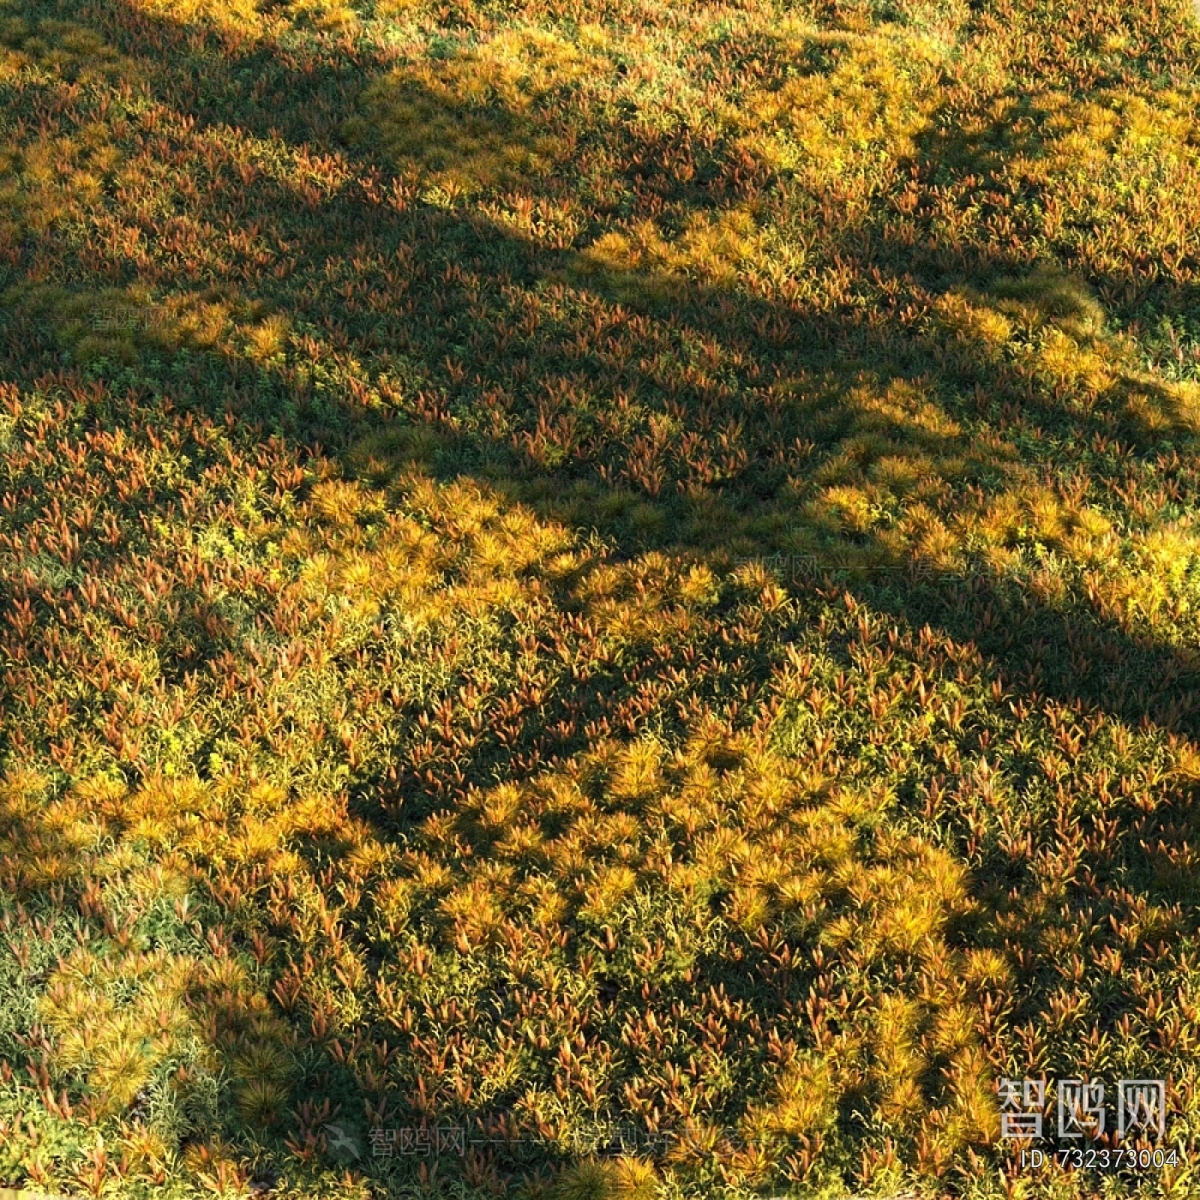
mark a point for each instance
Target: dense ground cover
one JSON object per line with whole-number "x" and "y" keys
{"x": 578, "y": 566}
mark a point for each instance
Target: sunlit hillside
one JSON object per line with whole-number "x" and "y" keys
{"x": 597, "y": 601}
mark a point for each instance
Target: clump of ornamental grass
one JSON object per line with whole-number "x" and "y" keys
{"x": 624, "y": 1179}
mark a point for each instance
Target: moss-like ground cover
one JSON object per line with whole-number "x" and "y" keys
{"x": 573, "y": 568}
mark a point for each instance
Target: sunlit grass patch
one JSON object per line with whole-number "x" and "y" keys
{"x": 324, "y": 14}
{"x": 754, "y": 816}
{"x": 55, "y": 49}
{"x": 711, "y": 251}
{"x": 243, "y": 16}
{"x": 848, "y": 129}
{"x": 471, "y": 121}
{"x": 44, "y": 182}
{"x": 121, "y": 324}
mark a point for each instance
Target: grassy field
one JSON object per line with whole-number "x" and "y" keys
{"x": 597, "y": 601}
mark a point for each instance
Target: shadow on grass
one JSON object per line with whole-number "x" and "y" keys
{"x": 895, "y": 400}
